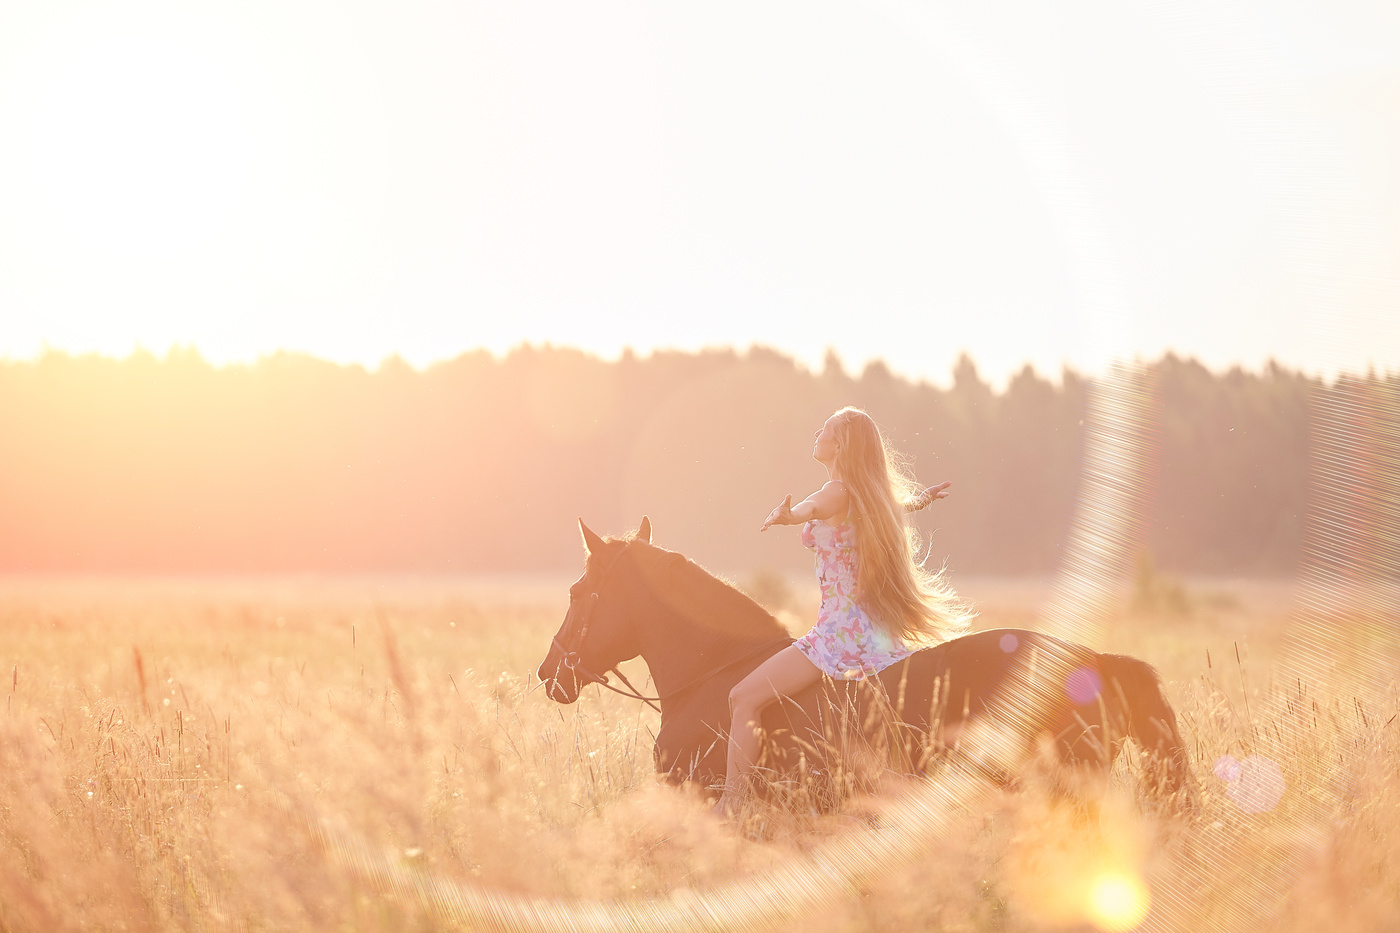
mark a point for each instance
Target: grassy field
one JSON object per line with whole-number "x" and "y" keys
{"x": 283, "y": 754}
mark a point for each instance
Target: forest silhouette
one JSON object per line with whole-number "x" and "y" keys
{"x": 483, "y": 463}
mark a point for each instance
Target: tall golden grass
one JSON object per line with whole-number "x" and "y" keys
{"x": 177, "y": 756}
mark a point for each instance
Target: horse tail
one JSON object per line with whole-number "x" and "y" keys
{"x": 1145, "y": 716}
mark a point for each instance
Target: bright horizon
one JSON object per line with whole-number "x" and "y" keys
{"x": 892, "y": 180}
{"x": 997, "y": 381}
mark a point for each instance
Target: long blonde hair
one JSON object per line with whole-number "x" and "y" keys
{"x": 900, "y": 596}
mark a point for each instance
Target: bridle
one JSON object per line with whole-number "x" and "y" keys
{"x": 572, "y": 659}
{"x": 574, "y": 662}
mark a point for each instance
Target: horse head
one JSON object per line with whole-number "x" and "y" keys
{"x": 596, "y": 634}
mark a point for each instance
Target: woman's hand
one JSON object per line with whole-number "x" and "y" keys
{"x": 782, "y": 515}
{"x": 929, "y": 496}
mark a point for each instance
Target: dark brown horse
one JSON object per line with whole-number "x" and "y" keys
{"x": 990, "y": 699}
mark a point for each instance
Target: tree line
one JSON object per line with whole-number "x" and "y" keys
{"x": 483, "y": 463}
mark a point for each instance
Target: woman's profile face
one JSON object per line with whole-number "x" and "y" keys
{"x": 824, "y": 450}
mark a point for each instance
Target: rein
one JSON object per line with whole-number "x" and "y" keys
{"x": 574, "y": 662}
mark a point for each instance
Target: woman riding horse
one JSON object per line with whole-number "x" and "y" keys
{"x": 987, "y": 701}
{"x": 876, "y": 600}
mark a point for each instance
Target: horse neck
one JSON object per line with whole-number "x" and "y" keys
{"x": 697, "y": 623}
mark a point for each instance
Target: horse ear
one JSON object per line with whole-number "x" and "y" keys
{"x": 590, "y": 541}
{"x": 644, "y": 530}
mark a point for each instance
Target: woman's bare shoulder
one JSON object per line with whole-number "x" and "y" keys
{"x": 831, "y": 500}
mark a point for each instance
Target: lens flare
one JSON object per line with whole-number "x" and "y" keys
{"x": 1255, "y": 785}
{"x": 1118, "y": 902}
{"x": 1064, "y": 868}
{"x": 1083, "y": 685}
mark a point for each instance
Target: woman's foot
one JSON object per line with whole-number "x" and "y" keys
{"x": 727, "y": 807}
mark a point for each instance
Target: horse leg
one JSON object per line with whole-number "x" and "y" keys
{"x": 1143, "y": 714}
{"x": 1085, "y": 753}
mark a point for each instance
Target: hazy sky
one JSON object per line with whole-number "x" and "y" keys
{"x": 1027, "y": 182}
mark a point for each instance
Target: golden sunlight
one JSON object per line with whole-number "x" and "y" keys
{"x": 1118, "y": 902}
{"x": 136, "y": 143}
{"x": 1064, "y": 869}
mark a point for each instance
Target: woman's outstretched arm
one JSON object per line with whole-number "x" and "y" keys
{"x": 828, "y": 502}
{"x": 928, "y": 497}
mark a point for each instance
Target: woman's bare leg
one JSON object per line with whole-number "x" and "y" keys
{"x": 784, "y": 674}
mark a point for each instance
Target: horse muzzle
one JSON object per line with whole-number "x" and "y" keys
{"x": 565, "y": 678}
{"x": 559, "y": 683}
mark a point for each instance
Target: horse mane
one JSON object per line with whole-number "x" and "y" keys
{"x": 699, "y": 596}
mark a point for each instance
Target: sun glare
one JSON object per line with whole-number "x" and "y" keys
{"x": 135, "y": 144}
{"x": 1118, "y": 902}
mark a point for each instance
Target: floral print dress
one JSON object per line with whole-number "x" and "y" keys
{"x": 844, "y": 643}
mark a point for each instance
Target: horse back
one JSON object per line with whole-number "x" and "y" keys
{"x": 918, "y": 707}
{"x": 1039, "y": 687}
{"x": 981, "y": 673}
